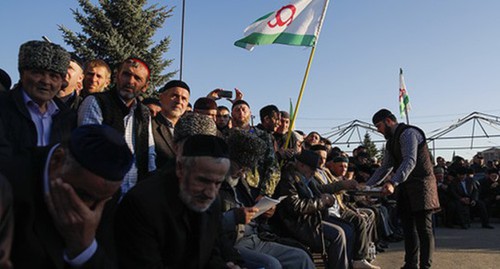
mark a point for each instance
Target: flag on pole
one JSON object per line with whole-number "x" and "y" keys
{"x": 297, "y": 23}
{"x": 404, "y": 99}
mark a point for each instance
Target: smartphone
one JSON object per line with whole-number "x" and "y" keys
{"x": 226, "y": 94}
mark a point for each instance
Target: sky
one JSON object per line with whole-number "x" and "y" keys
{"x": 449, "y": 51}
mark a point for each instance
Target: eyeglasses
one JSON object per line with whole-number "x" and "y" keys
{"x": 223, "y": 116}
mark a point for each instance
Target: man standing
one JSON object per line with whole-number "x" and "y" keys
{"x": 206, "y": 106}
{"x": 174, "y": 97}
{"x": 172, "y": 219}
{"x": 120, "y": 109}
{"x": 415, "y": 184}
{"x": 30, "y": 116}
{"x": 97, "y": 77}
{"x": 59, "y": 199}
{"x": 223, "y": 119}
{"x": 74, "y": 77}
{"x": 281, "y": 134}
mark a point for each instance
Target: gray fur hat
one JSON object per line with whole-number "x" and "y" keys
{"x": 43, "y": 55}
{"x": 193, "y": 124}
{"x": 245, "y": 148}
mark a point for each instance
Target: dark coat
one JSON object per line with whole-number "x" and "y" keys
{"x": 37, "y": 243}
{"x": 457, "y": 191}
{"x": 18, "y": 136}
{"x": 164, "y": 141}
{"x": 301, "y": 212}
{"x": 154, "y": 229}
{"x": 421, "y": 186}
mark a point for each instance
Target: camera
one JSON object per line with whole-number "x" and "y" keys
{"x": 225, "y": 94}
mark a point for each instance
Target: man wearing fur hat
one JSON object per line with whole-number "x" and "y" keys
{"x": 30, "y": 113}
{"x": 244, "y": 231}
{"x": 120, "y": 109}
{"x": 266, "y": 176}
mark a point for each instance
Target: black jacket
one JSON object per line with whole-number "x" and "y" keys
{"x": 18, "y": 134}
{"x": 301, "y": 212}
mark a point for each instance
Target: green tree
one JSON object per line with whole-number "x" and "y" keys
{"x": 119, "y": 29}
{"x": 371, "y": 148}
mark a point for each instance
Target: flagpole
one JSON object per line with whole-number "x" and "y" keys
{"x": 407, "y": 117}
{"x": 182, "y": 39}
{"x": 299, "y": 99}
{"x": 304, "y": 80}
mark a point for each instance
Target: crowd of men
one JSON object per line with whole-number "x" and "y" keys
{"x": 467, "y": 190}
{"x": 95, "y": 176}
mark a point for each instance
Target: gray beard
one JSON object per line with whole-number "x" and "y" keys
{"x": 187, "y": 199}
{"x": 232, "y": 181}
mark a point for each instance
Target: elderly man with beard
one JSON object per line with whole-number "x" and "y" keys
{"x": 172, "y": 220}
{"x": 174, "y": 98}
{"x": 70, "y": 94}
{"x": 417, "y": 199}
{"x": 120, "y": 109}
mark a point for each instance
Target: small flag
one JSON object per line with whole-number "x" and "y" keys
{"x": 404, "y": 99}
{"x": 297, "y": 23}
{"x": 291, "y": 109}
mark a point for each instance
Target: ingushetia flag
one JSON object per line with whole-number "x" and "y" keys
{"x": 297, "y": 23}
{"x": 404, "y": 99}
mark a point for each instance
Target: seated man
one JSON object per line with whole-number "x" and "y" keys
{"x": 172, "y": 219}
{"x": 301, "y": 214}
{"x": 58, "y": 209}
{"x": 465, "y": 196}
{"x": 490, "y": 192}
{"x": 245, "y": 149}
{"x": 363, "y": 226}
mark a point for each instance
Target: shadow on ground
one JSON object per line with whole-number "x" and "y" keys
{"x": 474, "y": 248}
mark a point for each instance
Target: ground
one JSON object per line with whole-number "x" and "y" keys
{"x": 475, "y": 248}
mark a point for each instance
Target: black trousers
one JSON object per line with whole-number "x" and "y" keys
{"x": 418, "y": 234}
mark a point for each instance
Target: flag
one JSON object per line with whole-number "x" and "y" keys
{"x": 297, "y": 23}
{"x": 404, "y": 99}
{"x": 291, "y": 109}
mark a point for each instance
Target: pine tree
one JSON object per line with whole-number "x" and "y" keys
{"x": 119, "y": 29}
{"x": 371, "y": 148}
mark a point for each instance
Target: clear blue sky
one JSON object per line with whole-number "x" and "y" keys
{"x": 448, "y": 49}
